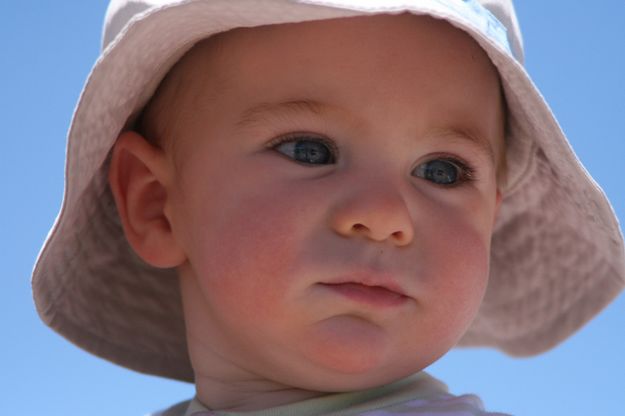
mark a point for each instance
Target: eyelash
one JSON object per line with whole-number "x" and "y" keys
{"x": 466, "y": 173}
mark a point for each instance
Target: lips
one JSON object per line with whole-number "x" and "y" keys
{"x": 373, "y": 289}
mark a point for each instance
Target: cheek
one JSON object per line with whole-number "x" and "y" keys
{"x": 456, "y": 263}
{"x": 245, "y": 250}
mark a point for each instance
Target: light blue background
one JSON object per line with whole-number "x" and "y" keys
{"x": 576, "y": 55}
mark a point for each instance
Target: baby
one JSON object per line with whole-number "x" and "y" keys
{"x": 293, "y": 204}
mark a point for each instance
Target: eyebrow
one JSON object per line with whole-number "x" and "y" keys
{"x": 260, "y": 112}
{"x": 467, "y": 135}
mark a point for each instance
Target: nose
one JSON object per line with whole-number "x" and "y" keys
{"x": 376, "y": 211}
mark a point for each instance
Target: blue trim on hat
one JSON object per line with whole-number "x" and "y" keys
{"x": 483, "y": 19}
{"x": 478, "y": 15}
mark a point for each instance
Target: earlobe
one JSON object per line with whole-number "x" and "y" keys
{"x": 138, "y": 177}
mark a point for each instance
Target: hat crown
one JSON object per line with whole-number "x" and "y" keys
{"x": 120, "y": 12}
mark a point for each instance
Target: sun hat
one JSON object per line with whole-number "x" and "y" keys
{"x": 557, "y": 254}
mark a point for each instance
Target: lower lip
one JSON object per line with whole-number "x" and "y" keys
{"x": 370, "y": 295}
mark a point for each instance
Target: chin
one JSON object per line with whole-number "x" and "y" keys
{"x": 341, "y": 382}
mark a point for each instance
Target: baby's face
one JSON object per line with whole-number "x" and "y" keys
{"x": 335, "y": 195}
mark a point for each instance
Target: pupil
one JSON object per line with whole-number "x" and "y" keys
{"x": 441, "y": 172}
{"x": 311, "y": 152}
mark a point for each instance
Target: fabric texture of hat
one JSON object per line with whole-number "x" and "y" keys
{"x": 557, "y": 254}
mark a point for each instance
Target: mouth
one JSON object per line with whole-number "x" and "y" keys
{"x": 376, "y": 296}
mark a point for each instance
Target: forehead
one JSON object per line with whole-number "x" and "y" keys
{"x": 380, "y": 53}
{"x": 388, "y": 44}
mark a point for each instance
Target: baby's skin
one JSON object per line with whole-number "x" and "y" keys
{"x": 327, "y": 192}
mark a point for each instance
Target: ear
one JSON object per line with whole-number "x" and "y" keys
{"x": 138, "y": 176}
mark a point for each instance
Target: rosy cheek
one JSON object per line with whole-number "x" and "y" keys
{"x": 460, "y": 274}
{"x": 246, "y": 255}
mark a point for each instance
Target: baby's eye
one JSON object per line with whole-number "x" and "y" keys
{"x": 445, "y": 172}
{"x": 306, "y": 149}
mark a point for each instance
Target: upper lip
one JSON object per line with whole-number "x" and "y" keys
{"x": 369, "y": 278}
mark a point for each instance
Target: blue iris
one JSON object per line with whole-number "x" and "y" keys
{"x": 441, "y": 172}
{"x": 312, "y": 152}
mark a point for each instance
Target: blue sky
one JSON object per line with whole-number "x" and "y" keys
{"x": 574, "y": 53}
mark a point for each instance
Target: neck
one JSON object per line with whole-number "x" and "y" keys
{"x": 247, "y": 395}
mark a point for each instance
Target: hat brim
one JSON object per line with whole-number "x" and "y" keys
{"x": 557, "y": 252}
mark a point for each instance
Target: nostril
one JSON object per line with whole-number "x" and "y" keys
{"x": 401, "y": 237}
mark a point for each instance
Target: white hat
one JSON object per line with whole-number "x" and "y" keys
{"x": 557, "y": 255}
